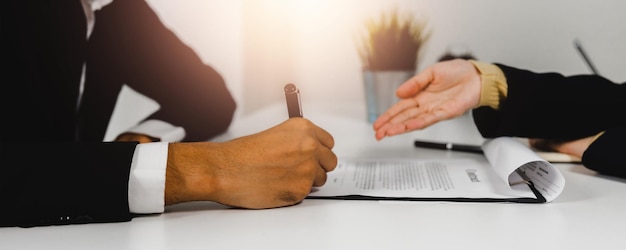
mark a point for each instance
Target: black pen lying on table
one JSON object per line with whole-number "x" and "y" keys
{"x": 449, "y": 146}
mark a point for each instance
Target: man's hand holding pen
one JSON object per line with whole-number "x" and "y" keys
{"x": 273, "y": 168}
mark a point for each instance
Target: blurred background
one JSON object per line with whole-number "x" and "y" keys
{"x": 260, "y": 45}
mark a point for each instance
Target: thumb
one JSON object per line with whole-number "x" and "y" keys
{"x": 414, "y": 85}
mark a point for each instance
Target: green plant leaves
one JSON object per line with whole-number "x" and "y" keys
{"x": 392, "y": 42}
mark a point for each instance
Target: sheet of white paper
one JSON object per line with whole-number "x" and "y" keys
{"x": 506, "y": 154}
{"x": 411, "y": 178}
{"x": 131, "y": 107}
{"x": 490, "y": 178}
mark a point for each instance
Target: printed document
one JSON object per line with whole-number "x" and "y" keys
{"x": 509, "y": 172}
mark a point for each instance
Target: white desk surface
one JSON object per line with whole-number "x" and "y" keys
{"x": 589, "y": 214}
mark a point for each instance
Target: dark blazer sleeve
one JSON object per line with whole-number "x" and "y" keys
{"x": 553, "y": 106}
{"x": 130, "y": 45}
{"x": 606, "y": 153}
{"x": 64, "y": 183}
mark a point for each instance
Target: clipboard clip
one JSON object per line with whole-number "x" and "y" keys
{"x": 525, "y": 179}
{"x": 531, "y": 185}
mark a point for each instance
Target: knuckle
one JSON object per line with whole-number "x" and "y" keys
{"x": 309, "y": 145}
{"x": 334, "y": 162}
{"x": 322, "y": 180}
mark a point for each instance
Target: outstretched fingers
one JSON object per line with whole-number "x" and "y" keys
{"x": 412, "y": 119}
{"x": 415, "y": 84}
{"x": 397, "y": 113}
{"x": 427, "y": 119}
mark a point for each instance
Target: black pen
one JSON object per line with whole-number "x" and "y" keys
{"x": 292, "y": 95}
{"x": 449, "y": 146}
{"x": 582, "y": 53}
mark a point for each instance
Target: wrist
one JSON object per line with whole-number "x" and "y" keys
{"x": 189, "y": 175}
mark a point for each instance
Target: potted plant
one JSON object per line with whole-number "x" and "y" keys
{"x": 389, "y": 51}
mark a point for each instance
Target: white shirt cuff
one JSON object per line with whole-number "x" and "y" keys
{"x": 146, "y": 185}
{"x": 159, "y": 129}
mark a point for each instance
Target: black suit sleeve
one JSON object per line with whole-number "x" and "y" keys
{"x": 553, "y": 106}
{"x": 606, "y": 153}
{"x": 130, "y": 45}
{"x": 64, "y": 183}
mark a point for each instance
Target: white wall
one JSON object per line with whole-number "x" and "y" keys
{"x": 259, "y": 45}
